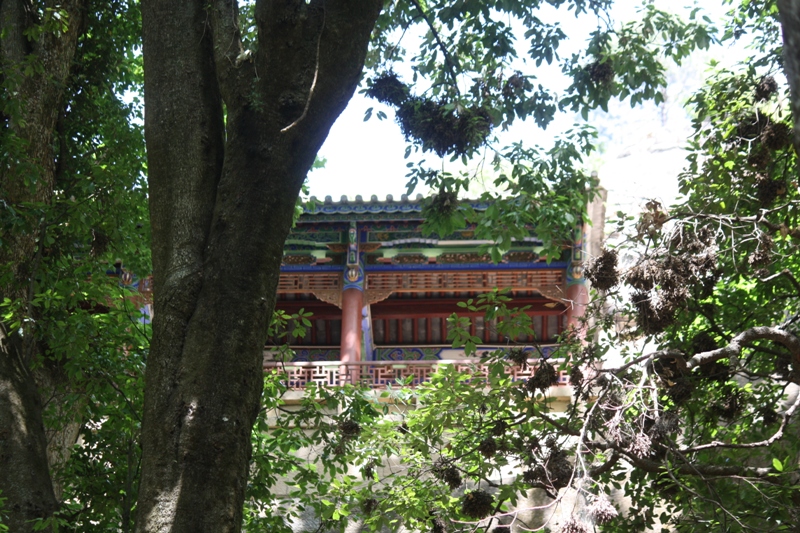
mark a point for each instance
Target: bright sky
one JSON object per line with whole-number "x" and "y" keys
{"x": 641, "y": 154}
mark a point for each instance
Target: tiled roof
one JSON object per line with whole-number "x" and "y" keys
{"x": 358, "y": 205}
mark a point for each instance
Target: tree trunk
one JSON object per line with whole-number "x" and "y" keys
{"x": 25, "y": 479}
{"x": 222, "y": 198}
{"x": 790, "y": 24}
{"x": 24, "y": 473}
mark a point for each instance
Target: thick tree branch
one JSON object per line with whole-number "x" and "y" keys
{"x": 313, "y": 83}
{"x": 732, "y": 350}
{"x": 735, "y": 346}
{"x": 655, "y": 467}
{"x": 778, "y": 435}
{"x": 605, "y": 467}
{"x": 325, "y": 44}
{"x": 220, "y": 217}
{"x": 15, "y": 18}
{"x": 234, "y": 64}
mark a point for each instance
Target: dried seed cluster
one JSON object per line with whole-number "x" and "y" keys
{"x": 369, "y": 505}
{"x": 662, "y": 284}
{"x": 573, "y": 525}
{"x": 766, "y": 88}
{"x": 518, "y": 356}
{"x": 439, "y": 126}
{"x": 545, "y": 377}
{"x": 602, "y": 271}
{"x": 488, "y": 447}
{"x": 555, "y": 472}
{"x": 750, "y": 126}
{"x": 681, "y": 391}
{"x": 514, "y": 85}
{"x": 665, "y": 425}
{"x": 446, "y": 472}
{"x": 759, "y": 158}
{"x": 442, "y": 130}
{"x": 602, "y": 510}
{"x": 349, "y": 429}
{"x": 640, "y": 446}
{"x": 499, "y": 428}
{"x": 768, "y": 189}
{"x": 368, "y": 470}
{"x": 769, "y": 416}
{"x": 776, "y": 136}
{"x": 729, "y": 405}
{"x": 388, "y": 89}
{"x": 437, "y": 525}
{"x": 762, "y": 255}
{"x": 601, "y": 72}
{"x": 576, "y": 376}
{"x": 445, "y": 203}
{"x": 477, "y": 504}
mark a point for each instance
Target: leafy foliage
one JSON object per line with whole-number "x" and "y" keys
{"x": 89, "y": 335}
{"x": 696, "y": 426}
{"x": 699, "y": 434}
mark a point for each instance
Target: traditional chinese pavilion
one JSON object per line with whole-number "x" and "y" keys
{"x": 380, "y": 291}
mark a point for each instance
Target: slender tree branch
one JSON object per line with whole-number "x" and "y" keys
{"x": 449, "y": 61}
{"x": 732, "y": 350}
{"x": 124, "y": 396}
{"x": 776, "y": 437}
{"x": 313, "y": 82}
{"x": 787, "y": 274}
{"x": 605, "y": 467}
{"x": 689, "y": 469}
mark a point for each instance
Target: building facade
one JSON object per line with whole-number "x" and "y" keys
{"x": 380, "y": 292}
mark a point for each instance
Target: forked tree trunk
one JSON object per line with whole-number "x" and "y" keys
{"x": 222, "y": 199}
{"x": 25, "y": 480}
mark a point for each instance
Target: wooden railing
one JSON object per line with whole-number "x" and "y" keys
{"x": 383, "y": 374}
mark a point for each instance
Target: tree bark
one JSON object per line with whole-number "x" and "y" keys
{"x": 222, "y": 197}
{"x": 790, "y": 24}
{"x": 25, "y": 479}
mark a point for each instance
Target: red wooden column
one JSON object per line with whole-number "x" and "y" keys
{"x": 578, "y": 296}
{"x": 577, "y": 291}
{"x": 352, "y": 303}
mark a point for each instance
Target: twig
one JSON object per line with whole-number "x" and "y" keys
{"x": 316, "y": 76}
{"x": 777, "y": 436}
{"x": 786, "y": 273}
{"x": 449, "y": 62}
{"x": 605, "y": 467}
{"x": 124, "y": 397}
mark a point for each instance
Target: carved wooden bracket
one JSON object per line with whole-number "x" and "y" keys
{"x": 334, "y": 296}
{"x": 331, "y": 296}
{"x": 553, "y": 292}
{"x": 374, "y": 296}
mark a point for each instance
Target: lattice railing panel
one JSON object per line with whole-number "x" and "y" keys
{"x": 463, "y": 281}
{"x": 380, "y": 374}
